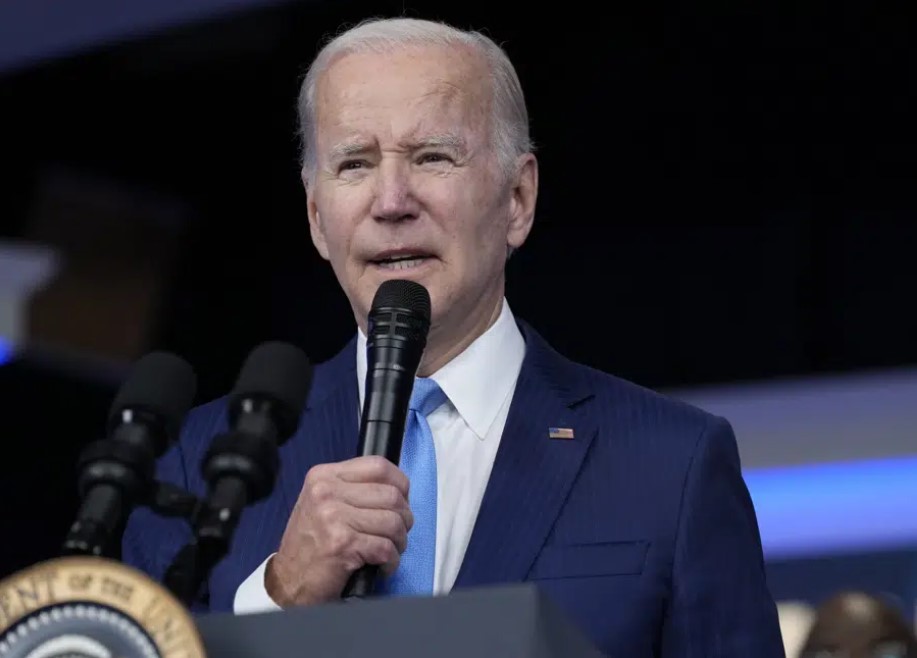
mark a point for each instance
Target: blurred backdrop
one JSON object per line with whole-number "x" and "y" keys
{"x": 726, "y": 214}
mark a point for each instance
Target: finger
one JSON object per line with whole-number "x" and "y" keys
{"x": 361, "y": 495}
{"x": 391, "y": 566}
{"x": 373, "y": 468}
{"x": 380, "y": 523}
{"x": 371, "y": 495}
{"x": 380, "y": 552}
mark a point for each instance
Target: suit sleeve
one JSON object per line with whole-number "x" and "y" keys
{"x": 721, "y": 605}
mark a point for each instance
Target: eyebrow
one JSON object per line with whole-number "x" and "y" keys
{"x": 446, "y": 140}
{"x": 356, "y": 147}
{"x": 346, "y": 149}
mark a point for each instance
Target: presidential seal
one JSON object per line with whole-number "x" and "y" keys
{"x": 87, "y": 607}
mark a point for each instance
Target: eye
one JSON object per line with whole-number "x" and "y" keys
{"x": 351, "y": 165}
{"x": 432, "y": 158}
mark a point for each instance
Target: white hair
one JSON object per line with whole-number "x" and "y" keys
{"x": 510, "y": 119}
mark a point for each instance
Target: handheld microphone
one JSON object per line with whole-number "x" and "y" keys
{"x": 117, "y": 473}
{"x": 398, "y": 324}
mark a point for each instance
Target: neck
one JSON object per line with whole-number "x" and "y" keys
{"x": 444, "y": 344}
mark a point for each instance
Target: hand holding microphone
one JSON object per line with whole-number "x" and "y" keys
{"x": 352, "y": 518}
{"x": 348, "y": 514}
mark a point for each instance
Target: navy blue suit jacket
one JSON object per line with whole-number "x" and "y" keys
{"x": 640, "y": 527}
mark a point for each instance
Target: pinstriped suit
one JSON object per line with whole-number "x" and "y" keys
{"x": 640, "y": 527}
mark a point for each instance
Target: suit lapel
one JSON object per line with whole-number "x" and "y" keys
{"x": 532, "y": 473}
{"x": 329, "y": 429}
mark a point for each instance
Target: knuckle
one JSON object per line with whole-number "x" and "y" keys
{"x": 378, "y": 466}
{"x": 314, "y": 474}
{"x": 391, "y": 497}
{"x": 321, "y": 490}
{"x": 338, "y": 539}
{"x": 383, "y": 551}
{"x": 394, "y": 524}
{"x": 327, "y": 514}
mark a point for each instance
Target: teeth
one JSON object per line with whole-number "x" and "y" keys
{"x": 401, "y": 264}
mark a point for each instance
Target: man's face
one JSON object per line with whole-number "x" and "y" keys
{"x": 407, "y": 185}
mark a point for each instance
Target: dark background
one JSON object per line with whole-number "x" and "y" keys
{"x": 727, "y": 195}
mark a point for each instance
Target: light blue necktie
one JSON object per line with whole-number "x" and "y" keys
{"x": 418, "y": 461}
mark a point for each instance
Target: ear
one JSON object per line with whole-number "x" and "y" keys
{"x": 316, "y": 230}
{"x": 524, "y": 191}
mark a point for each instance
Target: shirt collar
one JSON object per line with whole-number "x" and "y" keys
{"x": 478, "y": 380}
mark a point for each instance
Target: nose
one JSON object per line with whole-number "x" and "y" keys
{"x": 394, "y": 199}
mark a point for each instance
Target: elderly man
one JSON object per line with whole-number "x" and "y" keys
{"x": 626, "y": 507}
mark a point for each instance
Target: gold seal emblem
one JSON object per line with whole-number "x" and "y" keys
{"x": 87, "y": 607}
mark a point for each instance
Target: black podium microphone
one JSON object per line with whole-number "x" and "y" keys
{"x": 396, "y": 336}
{"x": 117, "y": 472}
{"x": 241, "y": 465}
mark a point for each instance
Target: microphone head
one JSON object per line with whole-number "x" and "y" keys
{"x": 279, "y": 372}
{"x": 161, "y": 384}
{"x": 403, "y": 295}
{"x": 408, "y": 301}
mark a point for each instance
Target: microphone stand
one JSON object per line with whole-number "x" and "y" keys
{"x": 190, "y": 569}
{"x": 241, "y": 468}
{"x": 241, "y": 464}
{"x": 212, "y": 535}
{"x": 213, "y": 520}
{"x": 115, "y": 477}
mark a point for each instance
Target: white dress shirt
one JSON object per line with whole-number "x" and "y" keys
{"x": 479, "y": 383}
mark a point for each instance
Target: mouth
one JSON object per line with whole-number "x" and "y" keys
{"x": 401, "y": 260}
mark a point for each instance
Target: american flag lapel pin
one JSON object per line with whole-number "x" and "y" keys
{"x": 560, "y": 432}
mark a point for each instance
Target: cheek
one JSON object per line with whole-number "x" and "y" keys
{"x": 339, "y": 218}
{"x": 462, "y": 207}
{"x": 339, "y": 239}
{"x": 486, "y": 232}
{"x": 474, "y": 223}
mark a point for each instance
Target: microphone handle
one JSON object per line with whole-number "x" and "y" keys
{"x": 98, "y": 517}
{"x": 214, "y": 522}
{"x": 379, "y": 437}
{"x": 384, "y": 438}
{"x": 361, "y": 583}
{"x": 219, "y": 514}
{"x": 389, "y": 382}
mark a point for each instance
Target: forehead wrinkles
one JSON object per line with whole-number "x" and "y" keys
{"x": 445, "y": 109}
{"x": 461, "y": 91}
